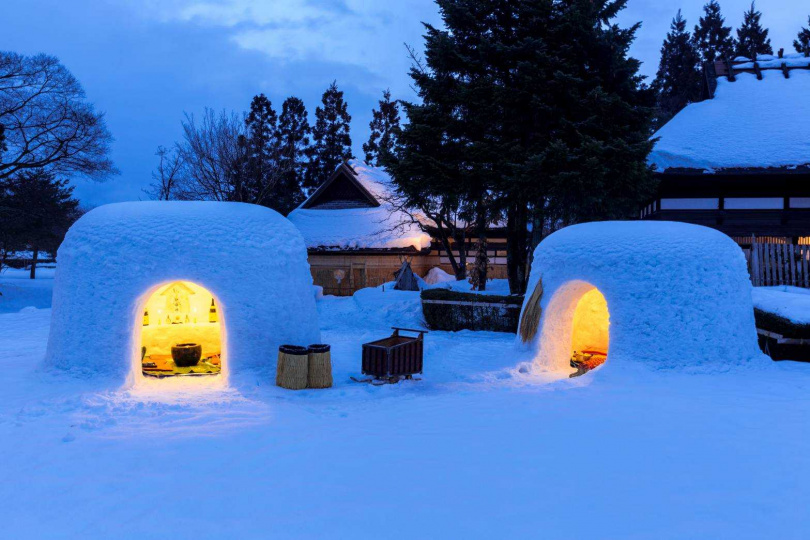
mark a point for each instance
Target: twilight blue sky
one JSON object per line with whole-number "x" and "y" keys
{"x": 145, "y": 62}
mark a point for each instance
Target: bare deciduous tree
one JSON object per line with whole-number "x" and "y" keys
{"x": 213, "y": 154}
{"x": 167, "y": 178}
{"x": 48, "y": 122}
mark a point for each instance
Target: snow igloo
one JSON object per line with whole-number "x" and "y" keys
{"x": 140, "y": 287}
{"x": 666, "y": 294}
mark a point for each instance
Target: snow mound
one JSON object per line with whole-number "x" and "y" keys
{"x": 677, "y": 294}
{"x": 251, "y": 258}
{"x": 792, "y": 303}
{"x": 749, "y": 123}
{"x": 437, "y": 276}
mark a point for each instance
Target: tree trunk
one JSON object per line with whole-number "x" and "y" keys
{"x": 517, "y": 248}
{"x": 35, "y": 249}
{"x": 444, "y": 238}
{"x": 481, "y": 258}
{"x": 461, "y": 241}
{"x": 538, "y": 231}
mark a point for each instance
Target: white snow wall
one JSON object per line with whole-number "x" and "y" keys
{"x": 677, "y": 294}
{"x": 251, "y": 258}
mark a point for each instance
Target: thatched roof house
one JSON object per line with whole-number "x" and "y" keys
{"x": 739, "y": 161}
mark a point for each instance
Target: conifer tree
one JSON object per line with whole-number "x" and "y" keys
{"x": 37, "y": 211}
{"x": 385, "y": 129}
{"x": 529, "y": 109}
{"x": 332, "y": 143}
{"x": 802, "y": 41}
{"x": 678, "y": 79}
{"x": 262, "y": 156}
{"x": 713, "y": 40}
{"x": 293, "y": 134}
{"x": 752, "y": 38}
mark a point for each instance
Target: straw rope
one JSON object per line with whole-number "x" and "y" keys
{"x": 530, "y": 321}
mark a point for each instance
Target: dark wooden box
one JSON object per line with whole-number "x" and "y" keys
{"x": 394, "y": 356}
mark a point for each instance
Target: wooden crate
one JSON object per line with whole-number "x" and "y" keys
{"x": 394, "y": 356}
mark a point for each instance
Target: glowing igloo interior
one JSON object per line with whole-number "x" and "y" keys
{"x": 590, "y": 335}
{"x": 181, "y": 314}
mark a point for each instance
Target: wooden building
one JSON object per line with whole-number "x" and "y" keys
{"x": 357, "y": 238}
{"x": 739, "y": 161}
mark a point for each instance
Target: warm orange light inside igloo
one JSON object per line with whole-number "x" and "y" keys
{"x": 181, "y": 332}
{"x": 590, "y": 336}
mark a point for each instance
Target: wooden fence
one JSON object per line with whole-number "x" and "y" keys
{"x": 779, "y": 264}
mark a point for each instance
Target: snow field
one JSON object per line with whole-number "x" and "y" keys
{"x": 477, "y": 449}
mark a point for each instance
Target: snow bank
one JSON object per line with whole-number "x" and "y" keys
{"x": 251, "y": 259}
{"x": 437, "y": 276}
{"x": 677, "y": 294}
{"x": 792, "y": 303}
{"x": 381, "y": 227}
{"x": 749, "y": 123}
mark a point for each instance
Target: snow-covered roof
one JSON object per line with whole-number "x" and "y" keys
{"x": 749, "y": 123}
{"x": 372, "y": 227}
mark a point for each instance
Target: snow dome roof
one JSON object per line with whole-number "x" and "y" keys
{"x": 677, "y": 294}
{"x": 250, "y": 258}
{"x": 369, "y": 221}
{"x": 749, "y": 123}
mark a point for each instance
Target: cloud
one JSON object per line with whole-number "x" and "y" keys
{"x": 362, "y": 33}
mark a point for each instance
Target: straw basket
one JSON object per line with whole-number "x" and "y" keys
{"x": 291, "y": 371}
{"x": 320, "y": 366}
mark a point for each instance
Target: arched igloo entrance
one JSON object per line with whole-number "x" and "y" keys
{"x": 181, "y": 332}
{"x": 666, "y": 294}
{"x": 118, "y": 260}
{"x": 578, "y": 331}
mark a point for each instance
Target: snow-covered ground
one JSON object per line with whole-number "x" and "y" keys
{"x": 476, "y": 449}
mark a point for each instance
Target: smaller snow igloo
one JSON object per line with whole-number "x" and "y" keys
{"x": 667, "y": 294}
{"x": 134, "y": 280}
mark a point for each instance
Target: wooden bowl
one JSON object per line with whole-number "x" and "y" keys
{"x": 186, "y": 354}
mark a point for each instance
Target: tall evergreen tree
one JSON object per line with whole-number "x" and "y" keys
{"x": 678, "y": 79}
{"x": 802, "y": 41}
{"x": 293, "y": 134}
{"x": 752, "y": 38}
{"x": 713, "y": 40}
{"x": 261, "y": 140}
{"x": 529, "y": 109}
{"x": 332, "y": 143}
{"x": 385, "y": 129}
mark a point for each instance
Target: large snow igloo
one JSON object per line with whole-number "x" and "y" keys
{"x": 134, "y": 280}
{"x": 668, "y": 294}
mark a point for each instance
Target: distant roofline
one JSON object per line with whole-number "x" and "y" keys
{"x": 342, "y": 169}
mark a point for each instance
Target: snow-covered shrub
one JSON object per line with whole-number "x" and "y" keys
{"x": 453, "y": 311}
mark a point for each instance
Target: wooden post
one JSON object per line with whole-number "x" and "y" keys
{"x": 730, "y": 70}
{"x": 754, "y": 262}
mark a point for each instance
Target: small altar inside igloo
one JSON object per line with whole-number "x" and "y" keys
{"x": 141, "y": 286}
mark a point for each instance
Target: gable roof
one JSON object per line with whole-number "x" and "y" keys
{"x": 750, "y": 123}
{"x": 344, "y": 173}
{"x": 374, "y": 226}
